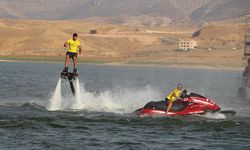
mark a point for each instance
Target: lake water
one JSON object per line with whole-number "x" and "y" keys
{"x": 103, "y": 118}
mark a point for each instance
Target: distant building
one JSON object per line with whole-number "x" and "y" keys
{"x": 187, "y": 44}
{"x": 93, "y": 31}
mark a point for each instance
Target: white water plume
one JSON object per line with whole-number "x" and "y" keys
{"x": 55, "y": 101}
{"x": 119, "y": 100}
{"x": 78, "y": 102}
{"x": 125, "y": 100}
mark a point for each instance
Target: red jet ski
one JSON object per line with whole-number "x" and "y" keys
{"x": 186, "y": 105}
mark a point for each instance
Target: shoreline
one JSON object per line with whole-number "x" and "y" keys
{"x": 140, "y": 64}
{"x": 172, "y": 65}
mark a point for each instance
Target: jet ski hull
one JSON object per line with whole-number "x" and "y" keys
{"x": 193, "y": 104}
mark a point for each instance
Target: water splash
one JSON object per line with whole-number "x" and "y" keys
{"x": 55, "y": 101}
{"x": 78, "y": 102}
{"x": 216, "y": 115}
{"x": 118, "y": 100}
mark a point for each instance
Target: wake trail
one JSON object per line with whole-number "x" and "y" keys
{"x": 216, "y": 115}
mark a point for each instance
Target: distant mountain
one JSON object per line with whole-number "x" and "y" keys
{"x": 106, "y": 8}
{"x": 221, "y": 10}
{"x": 193, "y": 10}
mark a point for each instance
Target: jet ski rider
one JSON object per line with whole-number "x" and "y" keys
{"x": 173, "y": 96}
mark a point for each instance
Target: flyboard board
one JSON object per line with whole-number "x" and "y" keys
{"x": 70, "y": 77}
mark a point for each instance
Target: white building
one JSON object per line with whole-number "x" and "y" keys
{"x": 187, "y": 44}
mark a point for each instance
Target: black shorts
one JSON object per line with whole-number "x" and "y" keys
{"x": 71, "y": 54}
{"x": 166, "y": 100}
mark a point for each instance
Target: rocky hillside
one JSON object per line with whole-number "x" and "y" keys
{"x": 173, "y": 10}
{"x": 143, "y": 20}
{"x": 220, "y": 35}
{"x": 221, "y": 10}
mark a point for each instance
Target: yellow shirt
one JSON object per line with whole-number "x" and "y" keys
{"x": 73, "y": 45}
{"x": 174, "y": 95}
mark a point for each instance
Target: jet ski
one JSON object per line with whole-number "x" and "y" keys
{"x": 186, "y": 105}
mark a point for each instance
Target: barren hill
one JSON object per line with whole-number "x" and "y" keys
{"x": 220, "y": 35}
{"x": 44, "y": 39}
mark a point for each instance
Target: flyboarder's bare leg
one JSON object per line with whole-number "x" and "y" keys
{"x": 75, "y": 65}
{"x": 66, "y": 63}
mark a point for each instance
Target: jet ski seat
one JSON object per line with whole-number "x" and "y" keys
{"x": 195, "y": 95}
